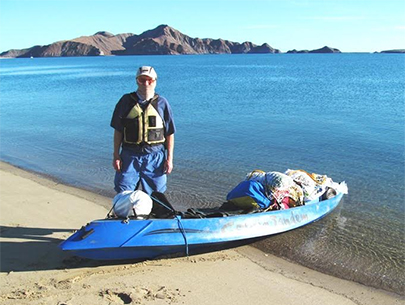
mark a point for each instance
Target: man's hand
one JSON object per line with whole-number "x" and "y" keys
{"x": 168, "y": 167}
{"x": 117, "y": 163}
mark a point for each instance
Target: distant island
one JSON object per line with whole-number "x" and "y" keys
{"x": 394, "y": 51}
{"x": 321, "y": 50}
{"x": 163, "y": 40}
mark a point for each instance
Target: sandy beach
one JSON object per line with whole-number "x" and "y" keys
{"x": 38, "y": 213}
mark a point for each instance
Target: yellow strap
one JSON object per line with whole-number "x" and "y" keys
{"x": 254, "y": 171}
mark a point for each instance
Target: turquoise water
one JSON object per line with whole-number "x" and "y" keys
{"x": 335, "y": 114}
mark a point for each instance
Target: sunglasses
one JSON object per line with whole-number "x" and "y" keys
{"x": 144, "y": 80}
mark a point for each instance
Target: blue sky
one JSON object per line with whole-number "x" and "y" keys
{"x": 349, "y": 25}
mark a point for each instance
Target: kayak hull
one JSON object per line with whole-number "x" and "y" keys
{"x": 117, "y": 239}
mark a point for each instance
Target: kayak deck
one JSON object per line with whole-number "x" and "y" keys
{"x": 113, "y": 239}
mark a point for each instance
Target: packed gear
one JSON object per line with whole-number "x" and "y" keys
{"x": 132, "y": 204}
{"x": 283, "y": 190}
{"x": 248, "y": 195}
{"x": 314, "y": 185}
{"x": 279, "y": 188}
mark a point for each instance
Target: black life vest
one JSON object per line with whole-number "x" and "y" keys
{"x": 143, "y": 126}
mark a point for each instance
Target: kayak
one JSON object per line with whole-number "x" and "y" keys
{"x": 124, "y": 239}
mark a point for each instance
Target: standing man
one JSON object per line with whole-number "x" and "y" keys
{"x": 144, "y": 132}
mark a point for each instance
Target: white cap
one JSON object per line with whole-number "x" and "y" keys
{"x": 146, "y": 70}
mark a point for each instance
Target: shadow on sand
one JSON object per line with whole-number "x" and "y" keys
{"x": 34, "y": 249}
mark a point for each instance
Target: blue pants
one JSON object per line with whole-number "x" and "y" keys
{"x": 148, "y": 169}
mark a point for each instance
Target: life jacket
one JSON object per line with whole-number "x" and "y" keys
{"x": 143, "y": 126}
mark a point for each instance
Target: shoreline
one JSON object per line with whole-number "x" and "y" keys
{"x": 37, "y": 213}
{"x": 55, "y": 184}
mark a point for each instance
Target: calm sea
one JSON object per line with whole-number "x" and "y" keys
{"x": 336, "y": 114}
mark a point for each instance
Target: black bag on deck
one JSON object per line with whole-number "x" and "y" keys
{"x": 161, "y": 206}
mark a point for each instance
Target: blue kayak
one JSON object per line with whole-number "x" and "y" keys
{"x": 116, "y": 239}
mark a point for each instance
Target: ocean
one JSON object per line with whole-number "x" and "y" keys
{"x": 336, "y": 114}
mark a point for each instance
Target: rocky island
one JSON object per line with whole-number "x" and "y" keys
{"x": 325, "y": 49}
{"x": 163, "y": 40}
{"x": 394, "y": 51}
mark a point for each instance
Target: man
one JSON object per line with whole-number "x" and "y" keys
{"x": 144, "y": 131}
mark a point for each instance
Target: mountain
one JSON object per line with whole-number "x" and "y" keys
{"x": 163, "y": 40}
{"x": 321, "y": 50}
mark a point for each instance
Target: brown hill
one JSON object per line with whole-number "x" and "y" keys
{"x": 163, "y": 40}
{"x": 104, "y": 41}
{"x": 60, "y": 48}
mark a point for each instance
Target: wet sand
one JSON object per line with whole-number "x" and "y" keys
{"x": 36, "y": 214}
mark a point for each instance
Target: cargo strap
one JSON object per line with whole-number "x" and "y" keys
{"x": 183, "y": 232}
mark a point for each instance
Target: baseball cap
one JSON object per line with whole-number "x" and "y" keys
{"x": 146, "y": 70}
